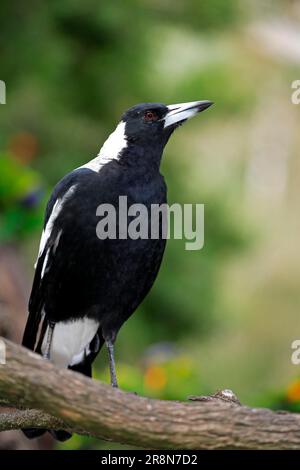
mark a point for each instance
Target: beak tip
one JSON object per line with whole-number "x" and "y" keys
{"x": 181, "y": 112}
{"x": 205, "y": 104}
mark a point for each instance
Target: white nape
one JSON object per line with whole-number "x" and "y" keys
{"x": 53, "y": 216}
{"x": 111, "y": 149}
{"x": 70, "y": 341}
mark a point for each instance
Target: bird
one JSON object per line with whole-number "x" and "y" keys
{"x": 86, "y": 287}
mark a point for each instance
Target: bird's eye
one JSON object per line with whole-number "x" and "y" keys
{"x": 150, "y": 116}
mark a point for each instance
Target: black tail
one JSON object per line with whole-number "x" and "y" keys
{"x": 32, "y": 433}
{"x": 85, "y": 368}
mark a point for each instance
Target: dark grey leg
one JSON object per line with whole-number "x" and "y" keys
{"x": 51, "y": 326}
{"x": 112, "y": 366}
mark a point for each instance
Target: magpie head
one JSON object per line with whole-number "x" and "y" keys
{"x": 140, "y": 137}
{"x": 153, "y": 123}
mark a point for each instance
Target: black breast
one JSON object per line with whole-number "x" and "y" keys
{"x": 105, "y": 279}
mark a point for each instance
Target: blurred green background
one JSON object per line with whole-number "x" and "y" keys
{"x": 223, "y": 317}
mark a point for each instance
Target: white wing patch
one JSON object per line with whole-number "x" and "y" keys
{"x": 53, "y": 216}
{"x": 112, "y": 147}
{"x": 70, "y": 341}
{"x": 47, "y": 230}
{"x": 45, "y": 263}
{"x": 57, "y": 241}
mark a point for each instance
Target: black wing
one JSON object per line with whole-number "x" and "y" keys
{"x": 36, "y": 300}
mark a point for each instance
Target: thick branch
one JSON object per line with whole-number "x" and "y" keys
{"x": 19, "y": 419}
{"x": 99, "y": 410}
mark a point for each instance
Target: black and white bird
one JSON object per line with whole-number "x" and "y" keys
{"x": 85, "y": 287}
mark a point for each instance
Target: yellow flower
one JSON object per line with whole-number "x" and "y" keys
{"x": 155, "y": 378}
{"x": 293, "y": 391}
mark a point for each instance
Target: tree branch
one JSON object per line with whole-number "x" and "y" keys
{"x": 82, "y": 405}
{"x": 19, "y": 419}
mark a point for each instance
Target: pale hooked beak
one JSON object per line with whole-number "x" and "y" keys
{"x": 178, "y": 113}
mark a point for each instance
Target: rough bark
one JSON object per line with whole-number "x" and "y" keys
{"x": 83, "y": 405}
{"x": 14, "y": 293}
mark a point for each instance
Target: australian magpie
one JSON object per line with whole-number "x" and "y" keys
{"x": 86, "y": 287}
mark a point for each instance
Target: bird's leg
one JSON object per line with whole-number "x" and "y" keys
{"x": 112, "y": 366}
{"x": 46, "y": 354}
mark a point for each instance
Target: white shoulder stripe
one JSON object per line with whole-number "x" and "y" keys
{"x": 53, "y": 216}
{"x": 57, "y": 241}
{"x": 112, "y": 147}
{"x": 45, "y": 263}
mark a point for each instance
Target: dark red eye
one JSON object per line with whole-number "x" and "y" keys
{"x": 150, "y": 116}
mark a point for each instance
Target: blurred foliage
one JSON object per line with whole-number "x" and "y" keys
{"x": 20, "y": 200}
{"x": 71, "y": 69}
